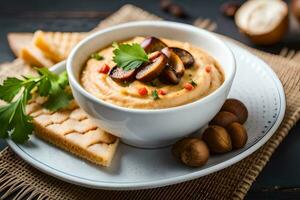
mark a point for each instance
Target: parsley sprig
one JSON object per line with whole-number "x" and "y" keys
{"x": 155, "y": 95}
{"x": 17, "y": 92}
{"x": 129, "y": 56}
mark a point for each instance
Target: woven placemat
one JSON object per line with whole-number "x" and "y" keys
{"x": 23, "y": 181}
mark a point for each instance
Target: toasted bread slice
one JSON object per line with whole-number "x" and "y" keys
{"x": 73, "y": 131}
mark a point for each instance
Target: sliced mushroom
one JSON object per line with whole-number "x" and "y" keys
{"x": 152, "y": 44}
{"x": 185, "y": 56}
{"x": 153, "y": 69}
{"x": 120, "y": 75}
{"x": 174, "y": 61}
{"x": 168, "y": 75}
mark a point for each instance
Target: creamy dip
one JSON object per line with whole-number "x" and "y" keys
{"x": 205, "y": 72}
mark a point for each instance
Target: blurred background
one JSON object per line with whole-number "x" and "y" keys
{"x": 280, "y": 179}
{"x": 79, "y": 15}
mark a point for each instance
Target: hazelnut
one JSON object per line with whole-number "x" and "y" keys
{"x": 237, "y": 108}
{"x": 217, "y": 139}
{"x": 224, "y": 118}
{"x": 238, "y": 135}
{"x": 192, "y": 152}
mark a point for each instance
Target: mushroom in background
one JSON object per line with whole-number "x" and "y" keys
{"x": 265, "y": 22}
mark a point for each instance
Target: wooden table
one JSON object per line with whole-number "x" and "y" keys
{"x": 280, "y": 179}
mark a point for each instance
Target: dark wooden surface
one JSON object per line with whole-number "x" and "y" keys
{"x": 280, "y": 179}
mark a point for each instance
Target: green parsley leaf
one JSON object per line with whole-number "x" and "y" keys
{"x": 23, "y": 126}
{"x": 155, "y": 95}
{"x": 63, "y": 79}
{"x": 44, "y": 87}
{"x": 10, "y": 88}
{"x": 53, "y": 86}
{"x": 58, "y": 99}
{"x": 129, "y": 56}
{"x": 16, "y": 92}
{"x": 6, "y": 114}
{"x": 15, "y": 120}
{"x": 97, "y": 56}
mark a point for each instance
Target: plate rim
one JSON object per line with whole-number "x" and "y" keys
{"x": 171, "y": 180}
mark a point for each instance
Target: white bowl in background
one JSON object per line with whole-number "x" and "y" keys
{"x": 148, "y": 128}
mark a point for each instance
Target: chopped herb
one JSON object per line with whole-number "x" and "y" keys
{"x": 155, "y": 95}
{"x": 193, "y": 83}
{"x": 16, "y": 92}
{"x": 129, "y": 56}
{"x": 97, "y": 56}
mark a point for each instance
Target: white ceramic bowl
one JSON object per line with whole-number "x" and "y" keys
{"x": 159, "y": 127}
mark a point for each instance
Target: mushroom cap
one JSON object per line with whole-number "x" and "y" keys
{"x": 152, "y": 44}
{"x": 118, "y": 74}
{"x": 152, "y": 70}
{"x": 174, "y": 61}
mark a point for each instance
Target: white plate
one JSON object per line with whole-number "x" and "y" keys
{"x": 132, "y": 168}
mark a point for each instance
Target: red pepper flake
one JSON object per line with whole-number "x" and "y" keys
{"x": 161, "y": 92}
{"x": 104, "y": 69}
{"x": 143, "y": 91}
{"x": 188, "y": 86}
{"x": 208, "y": 69}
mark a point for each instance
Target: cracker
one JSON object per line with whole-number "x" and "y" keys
{"x": 33, "y": 56}
{"x": 74, "y": 131}
{"x": 52, "y": 47}
{"x": 47, "y": 46}
{"x": 56, "y": 45}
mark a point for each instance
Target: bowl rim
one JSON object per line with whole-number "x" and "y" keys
{"x": 77, "y": 86}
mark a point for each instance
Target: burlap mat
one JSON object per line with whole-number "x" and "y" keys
{"x": 23, "y": 181}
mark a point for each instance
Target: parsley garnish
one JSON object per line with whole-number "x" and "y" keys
{"x": 193, "y": 83}
{"x": 97, "y": 56}
{"x": 129, "y": 56}
{"x": 16, "y": 92}
{"x": 155, "y": 95}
